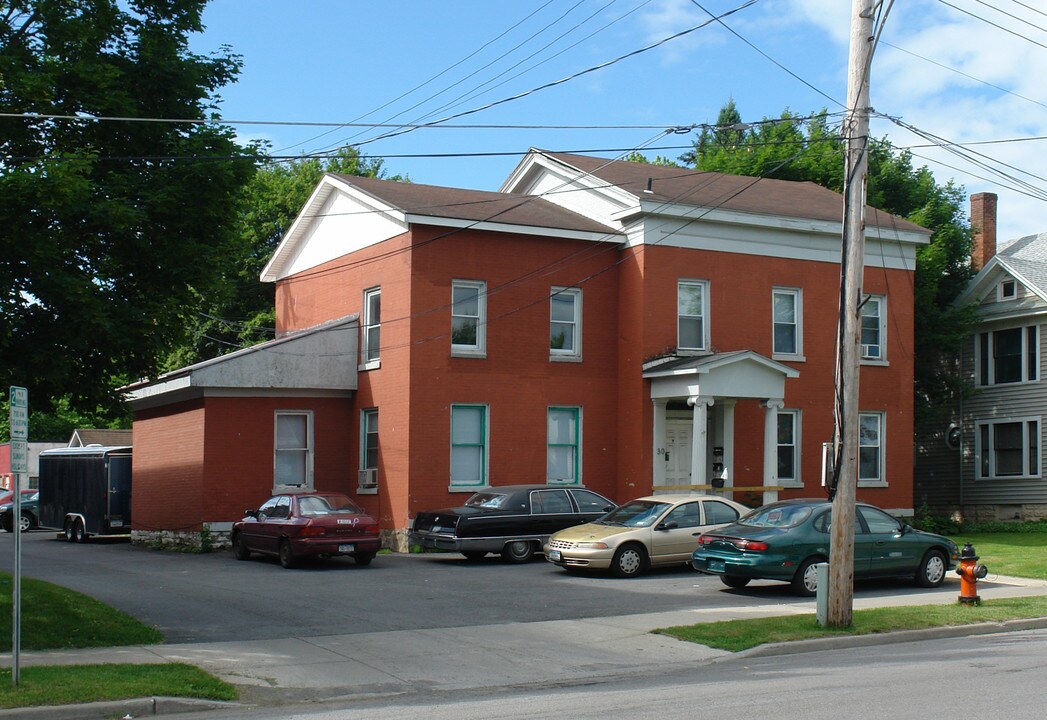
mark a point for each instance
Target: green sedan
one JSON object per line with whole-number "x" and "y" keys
{"x": 786, "y": 540}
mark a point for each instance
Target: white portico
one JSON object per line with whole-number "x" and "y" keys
{"x": 694, "y": 430}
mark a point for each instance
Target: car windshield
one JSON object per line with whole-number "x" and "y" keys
{"x": 487, "y": 500}
{"x": 638, "y": 513}
{"x": 313, "y": 505}
{"x": 781, "y": 516}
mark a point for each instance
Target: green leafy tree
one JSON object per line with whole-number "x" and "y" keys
{"x": 638, "y": 157}
{"x": 109, "y": 227}
{"x": 787, "y": 148}
{"x": 243, "y": 313}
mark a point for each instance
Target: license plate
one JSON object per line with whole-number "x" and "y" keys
{"x": 347, "y": 547}
{"x": 715, "y": 566}
{"x": 554, "y": 554}
{"x": 116, "y": 523}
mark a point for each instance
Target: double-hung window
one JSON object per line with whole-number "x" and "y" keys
{"x": 787, "y": 321}
{"x": 562, "y": 450}
{"x": 565, "y": 323}
{"x": 468, "y": 317}
{"x": 870, "y": 448}
{"x": 874, "y": 328}
{"x": 293, "y": 448}
{"x": 372, "y": 326}
{"x": 468, "y": 445}
{"x": 1007, "y": 356}
{"x": 369, "y": 448}
{"x": 789, "y": 447}
{"x": 692, "y": 315}
{"x": 1008, "y": 448}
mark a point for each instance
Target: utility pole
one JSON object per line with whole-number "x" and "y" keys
{"x": 852, "y": 266}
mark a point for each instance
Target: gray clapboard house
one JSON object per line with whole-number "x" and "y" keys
{"x": 988, "y": 464}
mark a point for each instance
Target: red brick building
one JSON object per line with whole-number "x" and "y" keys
{"x": 629, "y": 327}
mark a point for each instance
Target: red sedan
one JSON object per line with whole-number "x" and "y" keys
{"x": 297, "y": 525}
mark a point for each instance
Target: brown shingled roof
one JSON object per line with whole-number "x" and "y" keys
{"x": 763, "y": 196}
{"x": 474, "y": 205}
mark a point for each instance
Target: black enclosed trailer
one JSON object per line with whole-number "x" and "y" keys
{"x": 86, "y": 491}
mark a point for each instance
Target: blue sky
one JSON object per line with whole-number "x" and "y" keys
{"x": 943, "y": 67}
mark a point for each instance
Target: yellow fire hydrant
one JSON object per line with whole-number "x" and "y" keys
{"x": 970, "y": 572}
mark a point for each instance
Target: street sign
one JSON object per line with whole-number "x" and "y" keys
{"x": 19, "y": 457}
{"x": 19, "y": 414}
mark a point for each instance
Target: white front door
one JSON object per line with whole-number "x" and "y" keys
{"x": 678, "y": 453}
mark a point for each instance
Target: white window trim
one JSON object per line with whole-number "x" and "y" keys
{"x": 485, "y": 445}
{"x": 797, "y": 416}
{"x": 364, "y": 414}
{"x": 990, "y": 357}
{"x": 575, "y": 353}
{"x": 706, "y": 322}
{"x": 797, "y": 294}
{"x": 1000, "y": 296}
{"x": 366, "y": 324}
{"x": 577, "y": 446}
{"x": 978, "y": 449}
{"x": 309, "y": 449}
{"x": 478, "y": 350}
{"x": 882, "y": 358}
{"x": 882, "y": 480}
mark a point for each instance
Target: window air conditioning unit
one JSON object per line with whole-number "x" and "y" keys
{"x": 369, "y": 478}
{"x": 871, "y": 351}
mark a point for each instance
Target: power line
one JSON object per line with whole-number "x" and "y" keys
{"x": 960, "y": 72}
{"x": 995, "y": 25}
{"x": 570, "y": 77}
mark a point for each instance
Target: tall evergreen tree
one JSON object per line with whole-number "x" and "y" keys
{"x": 112, "y": 221}
{"x": 790, "y": 149}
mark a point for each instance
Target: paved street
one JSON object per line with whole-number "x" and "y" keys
{"x": 420, "y": 628}
{"x": 214, "y": 598}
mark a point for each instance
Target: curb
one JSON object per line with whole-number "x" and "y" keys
{"x": 137, "y": 707}
{"x": 849, "y": 641}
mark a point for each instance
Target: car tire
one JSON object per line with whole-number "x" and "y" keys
{"x": 7, "y": 525}
{"x": 933, "y": 567}
{"x": 518, "y": 551}
{"x": 805, "y": 581}
{"x": 363, "y": 559}
{"x": 286, "y": 554}
{"x": 474, "y": 555}
{"x": 734, "y": 581}
{"x": 26, "y": 522}
{"x": 629, "y": 561}
{"x": 240, "y": 551}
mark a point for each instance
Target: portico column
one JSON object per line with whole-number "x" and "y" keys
{"x": 728, "y": 443}
{"x": 658, "y": 441}
{"x": 770, "y": 448}
{"x": 700, "y": 440}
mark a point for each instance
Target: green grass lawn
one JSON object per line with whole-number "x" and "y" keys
{"x": 56, "y": 618}
{"x": 1019, "y": 554}
{"x": 66, "y": 684}
{"x": 735, "y": 635}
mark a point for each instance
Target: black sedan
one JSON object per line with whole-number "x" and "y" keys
{"x": 512, "y": 520}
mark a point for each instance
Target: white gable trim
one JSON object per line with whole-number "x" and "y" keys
{"x": 374, "y": 221}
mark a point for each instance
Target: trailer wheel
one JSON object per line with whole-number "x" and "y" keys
{"x": 68, "y": 529}
{"x": 79, "y": 533}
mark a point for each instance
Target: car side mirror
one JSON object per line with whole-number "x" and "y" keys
{"x": 250, "y": 513}
{"x": 905, "y": 529}
{"x": 609, "y": 508}
{"x": 668, "y": 525}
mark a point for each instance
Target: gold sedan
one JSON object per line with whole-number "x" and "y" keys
{"x": 642, "y": 533}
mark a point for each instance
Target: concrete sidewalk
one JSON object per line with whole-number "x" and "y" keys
{"x": 412, "y": 661}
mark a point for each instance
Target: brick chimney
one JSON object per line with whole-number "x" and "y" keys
{"x": 983, "y": 225}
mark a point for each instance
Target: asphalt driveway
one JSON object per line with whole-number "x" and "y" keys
{"x": 213, "y": 597}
